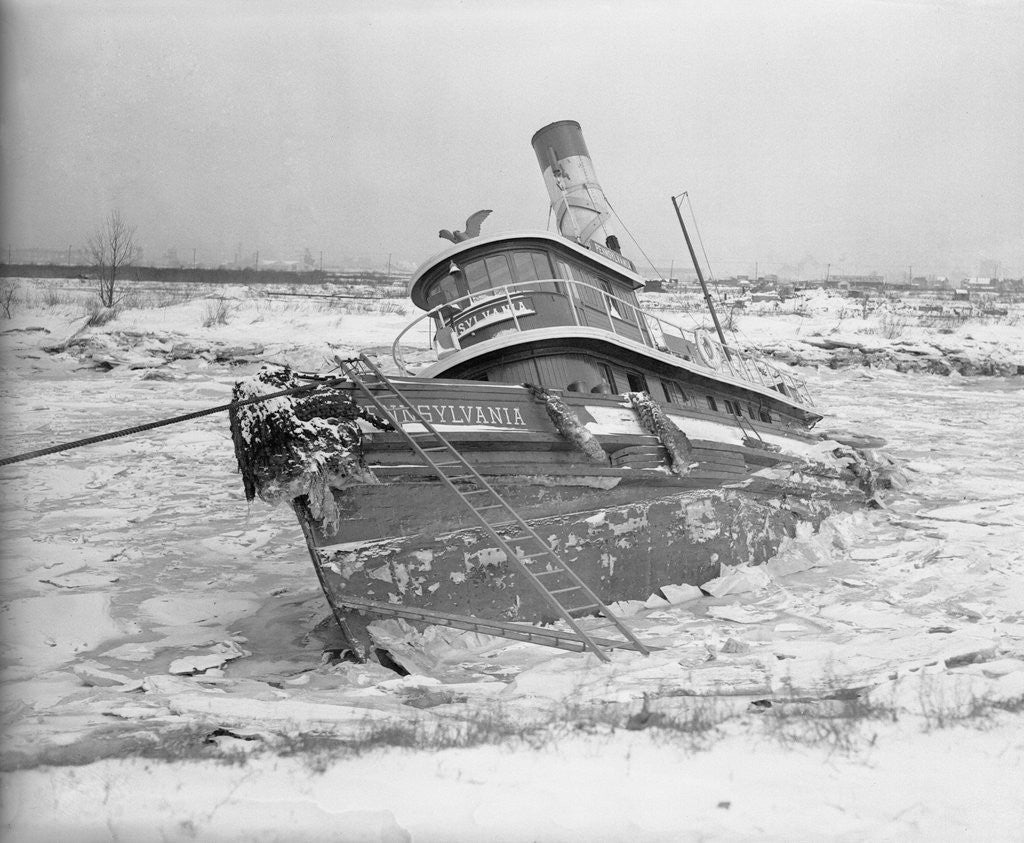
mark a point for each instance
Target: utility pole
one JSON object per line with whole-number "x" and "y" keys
{"x": 69, "y": 255}
{"x": 828, "y": 272}
{"x": 193, "y": 259}
{"x": 389, "y": 268}
{"x": 321, "y": 260}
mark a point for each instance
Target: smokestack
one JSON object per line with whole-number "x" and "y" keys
{"x": 579, "y": 203}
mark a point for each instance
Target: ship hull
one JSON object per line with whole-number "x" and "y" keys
{"x": 627, "y": 527}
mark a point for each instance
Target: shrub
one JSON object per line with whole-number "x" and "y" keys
{"x": 100, "y": 315}
{"x": 217, "y": 313}
{"x": 892, "y": 326}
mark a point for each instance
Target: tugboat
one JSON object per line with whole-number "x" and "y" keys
{"x": 539, "y": 447}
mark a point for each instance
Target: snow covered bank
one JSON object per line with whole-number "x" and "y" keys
{"x": 866, "y": 682}
{"x": 937, "y": 356}
{"x": 606, "y": 786}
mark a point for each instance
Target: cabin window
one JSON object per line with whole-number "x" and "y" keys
{"x": 712, "y": 403}
{"x": 734, "y": 407}
{"x": 618, "y": 308}
{"x": 636, "y": 381}
{"x": 750, "y": 412}
{"x": 534, "y": 266}
{"x": 531, "y": 266}
{"x": 609, "y": 377}
{"x": 476, "y": 276}
{"x": 674, "y": 392}
{"x": 445, "y": 290}
{"x": 765, "y": 416}
{"x": 498, "y": 270}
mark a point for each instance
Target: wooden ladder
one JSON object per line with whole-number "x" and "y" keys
{"x": 545, "y": 570}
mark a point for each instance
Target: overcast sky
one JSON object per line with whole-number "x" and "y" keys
{"x": 866, "y": 134}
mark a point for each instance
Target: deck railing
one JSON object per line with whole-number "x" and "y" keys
{"x": 697, "y": 346}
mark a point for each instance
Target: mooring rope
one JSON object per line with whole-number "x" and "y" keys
{"x": 128, "y": 431}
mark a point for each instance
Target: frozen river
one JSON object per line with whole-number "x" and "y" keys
{"x": 132, "y": 564}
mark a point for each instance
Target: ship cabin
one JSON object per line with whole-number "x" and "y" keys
{"x": 536, "y": 307}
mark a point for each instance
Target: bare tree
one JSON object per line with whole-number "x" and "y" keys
{"x": 110, "y": 248}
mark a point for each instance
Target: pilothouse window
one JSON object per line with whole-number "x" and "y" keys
{"x": 445, "y": 290}
{"x": 476, "y": 276}
{"x": 498, "y": 270}
{"x": 534, "y": 266}
{"x": 531, "y": 266}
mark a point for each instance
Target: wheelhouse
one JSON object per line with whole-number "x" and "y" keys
{"x": 526, "y": 282}
{"x": 534, "y": 307}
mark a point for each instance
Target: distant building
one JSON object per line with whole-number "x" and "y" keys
{"x": 873, "y": 283}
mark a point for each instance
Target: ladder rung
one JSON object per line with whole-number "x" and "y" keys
{"x": 431, "y": 450}
{"x": 581, "y": 608}
{"x": 546, "y": 573}
{"x": 530, "y": 556}
{"x": 490, "y": 506}
{"x": 563, "y": 590}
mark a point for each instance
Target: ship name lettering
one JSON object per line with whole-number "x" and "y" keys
{"x": 458, "y": 414}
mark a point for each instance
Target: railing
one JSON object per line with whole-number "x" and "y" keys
{"x": 694, "y": 346}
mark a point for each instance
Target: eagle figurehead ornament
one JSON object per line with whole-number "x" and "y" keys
{"x": 472, "y": 228}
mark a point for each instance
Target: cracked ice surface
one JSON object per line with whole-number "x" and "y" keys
{"x": 143, "y": 598}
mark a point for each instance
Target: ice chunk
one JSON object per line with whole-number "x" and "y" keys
{"x": 739, "y": 580}
{"x": 676, "y": 594}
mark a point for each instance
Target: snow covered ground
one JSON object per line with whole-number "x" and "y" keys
{"x": 161, "y": 658}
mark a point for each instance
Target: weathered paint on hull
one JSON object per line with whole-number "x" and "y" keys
{"x": 624, "y": 542}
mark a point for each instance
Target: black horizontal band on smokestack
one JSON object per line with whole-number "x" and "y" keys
{"x": 565, "y": 137}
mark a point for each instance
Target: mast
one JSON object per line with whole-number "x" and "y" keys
{"x": 700, "y": 275}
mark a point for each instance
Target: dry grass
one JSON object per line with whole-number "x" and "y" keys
{"x": 839, "y": 720}
{"x": 217, "y": 312}
{"x": 8, "y": 297}
{"x": 99, "y": 315}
